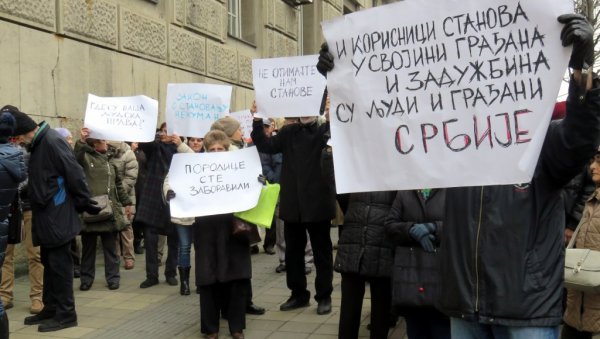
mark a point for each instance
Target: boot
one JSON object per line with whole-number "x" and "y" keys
{"x": 4, "y": 326}
{"x": 184, "y": 276}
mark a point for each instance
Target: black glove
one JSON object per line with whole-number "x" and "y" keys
{"x": 325, "y": 63}
{"x": 420, "y": 233}
{"x": 579, "y": 32}
{"x": 92, "y": 207}
{"x": 170, "y": 195}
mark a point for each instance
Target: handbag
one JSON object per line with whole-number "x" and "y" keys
{"x": 415, "y": 277}
{"x": 262, "y": 213}
{"x": 582, "y": 267}
{"x": 103, "y": 200}
{"x": 242, "y": 229}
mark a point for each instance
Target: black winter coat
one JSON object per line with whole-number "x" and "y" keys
{"x": 12, "y": 172}
{"x": 363, "y": 247}
{"x": 220, "y": 257}
{"x": 502, "y": 246}
{"x": 57, "y": 189}
{"x": 575, "y": 194}
{"x": 305, "y": 195}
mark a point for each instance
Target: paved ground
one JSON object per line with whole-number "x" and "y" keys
{"x": 160, "y": 312}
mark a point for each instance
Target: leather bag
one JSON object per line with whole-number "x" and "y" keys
{"x": 582, "y": 268}
{"x": 415, "y": 277}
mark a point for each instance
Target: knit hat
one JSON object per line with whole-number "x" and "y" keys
{"x": 266, "y": 122}
{"x": 227, "y": 124}
{"x": 63, "y": 132}
{"x": 24, "y": 123}
{"x": 7, "y": 126}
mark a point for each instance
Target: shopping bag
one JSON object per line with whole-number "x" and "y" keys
{"x": 262, "y": 213}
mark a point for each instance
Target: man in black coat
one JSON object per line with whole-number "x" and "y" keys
{"x": 58, "y": 192}
{"x": 306, "y": 204}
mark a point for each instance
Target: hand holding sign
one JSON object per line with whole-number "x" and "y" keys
{"x": 578, "y": 32}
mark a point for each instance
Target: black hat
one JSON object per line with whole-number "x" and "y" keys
{"x": 24, "y": 123}
{"x": 7, "y": 126}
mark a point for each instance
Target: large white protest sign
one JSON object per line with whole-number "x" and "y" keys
{"x": 288, "y": 87}
{"x": 192, "y": 108}
{"x": 214, "y": 183}
{"x": 461, "y": 96}
{"x": 121, "y": 118}
{"x": 245, "y": 118}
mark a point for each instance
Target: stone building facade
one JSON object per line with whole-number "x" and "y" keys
{"x": 55, "y": 52}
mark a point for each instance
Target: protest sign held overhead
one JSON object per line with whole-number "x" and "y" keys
{"x": 245, "y": 118}
{"x": 461, "y": 96}
{"x": 121, "y": 118}
{"x": 214, "y": 183}
{"x": 192, "y": 108}
{"x": 288, "y": 87}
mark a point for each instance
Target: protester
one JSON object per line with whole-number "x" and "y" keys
{"x": 138, "y": 233}
{"x": 415, "y": 220}
{"x": 582, "y": 315}
{"x": 271, "y": 166}
{"x": 365, "y": 256}
{"x": 35, "y": 269}
{"x": 306, "y": 204}
{"x": 124, "y": 160}
{"x": 57, "y": 192}
{"x": 502, "y": 263}
{"x": 103, "y": 179}
{"x": 153, "y": 212}
{"x": 12, "y": 172}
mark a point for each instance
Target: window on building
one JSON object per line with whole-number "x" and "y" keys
{"x": 242, "y": 17}
{"x": 235, "y": 22}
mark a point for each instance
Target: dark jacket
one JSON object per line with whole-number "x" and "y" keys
{"x": 363, "y": 247}
{"x": 103, "y": 178}
{"x": 271, "y": 166}
{"x": 502, "y": 246}
{"x": 140, "y": 156}
{"x": 575, "y": 194}
{"x": 220, "y": 257}
{"x": 152, "y": 209}
{"x": 57, "y": 189}
{"x": 305, "y": 195}
{"x": 12, "y": 172}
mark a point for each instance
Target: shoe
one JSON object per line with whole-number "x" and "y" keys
{"x": 269, "y": 250}
{"x": 213, "y": 336}
{"x": 324, "y": 306}
{"x": 36, "y": 306}
{"x": 254, "y": 249}
{"x": 113, "y": 286}
{"x": 184, "y": 276}
{"x": 129, "y": 264}
{"x": 307, "y": 270}
{"x": 280, "y": 268}
{"x": 148, "y": 283}
{"x": 54, "y": 325}
{"x": 253, "y": 309}
{"x": 85, "y": 286}
{"x": 237, "y": 335}
{"x": 293, "y": 303}
{"x": 172, "y": 281}
{"x": 8, "y": 305}
{"x": 38, "y": 318}
{"x": 76, "y": 273}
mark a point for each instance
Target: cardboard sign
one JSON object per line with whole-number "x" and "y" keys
{"x": 193, "y": 108}
{"x": 288, "y": 87}
{"x": 121, "y": 118}
{"x": 461, "y": 96}
{"x": 214, "y": 183}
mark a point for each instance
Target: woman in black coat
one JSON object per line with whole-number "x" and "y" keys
{"x": 365, "y": 255}
{"x": 415, "y": 221}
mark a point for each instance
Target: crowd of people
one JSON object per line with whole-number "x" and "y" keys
{"x": 469, "y": 262}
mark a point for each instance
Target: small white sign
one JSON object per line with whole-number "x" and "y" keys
{"x": 245, "y": 118}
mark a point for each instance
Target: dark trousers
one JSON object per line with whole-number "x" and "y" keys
{"x": 212, "y": 298}
{"x": 88, "y": 256}
{"x": 75, "y": 254}
{"x": 58, "y": 282}
{"x": 426, "y": 323}
{"x": 270, "y": 234}
{"x": 151, "y": 244}
{"x": 569, "y": 332}
{"x": 320, "y": 239}
{"x": 138, "y": 232}
{"x": 353, "y": 292}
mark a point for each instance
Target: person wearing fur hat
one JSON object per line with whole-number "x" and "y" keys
{"x": 58, "y": 192}
{"x": 12, "y": 172}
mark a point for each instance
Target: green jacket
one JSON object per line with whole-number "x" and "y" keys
{"x": 102, "y": 178}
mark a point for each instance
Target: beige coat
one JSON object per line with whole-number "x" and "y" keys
{"x": 182, "y": 148}
{"x": 583, "y": 309}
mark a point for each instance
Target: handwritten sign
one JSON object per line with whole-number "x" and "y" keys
{"x": 121, "y": 118}
{"x": 459, "y": 97}
{"x": 288, "y": 87}
{"x": 245, "y": 118}
{"x": 192, "y": 108}
{"x": 214, "y": 183}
